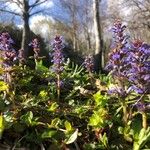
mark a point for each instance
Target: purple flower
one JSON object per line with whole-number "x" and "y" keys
{"x": 118, "y": 63}
{"x": 8, "y": 54}
{"x": 137, "y": 89}
{"x": 129, "y": 63}
{"x": 141, "y": 107}
{"x": 58, "y": 58}
{"x": 5, "y": 41}
{"x": 21, "y": 56}
{"x": 140, "y": 67}
{"x": 36, "y": 47}
{"x": 118, "y": 30}
{"x": 118, "y": 91}
{"x": 34, "y": 43}
{"x": 9, "y": 57}
{"x": 116, "y": 56}
{"x": 89, "y": 63}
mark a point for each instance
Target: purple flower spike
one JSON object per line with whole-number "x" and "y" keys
{"x": 35, "y": 45}
{"x": 118, "y": 30}
{"x": 7, "y": 53}
{"x": 89, "y": 63}
{"x": 140, "y": 67}
{"x": 141, "y": 107}
{"x": 58, "y": 58}
{"x": 5, "y": 41}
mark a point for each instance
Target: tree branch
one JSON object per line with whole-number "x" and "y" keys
{"x": 11, "y": 12}
{"x": 18, "y": 3}
{"x": 37, "y": 3}
{"x": 34, "y": 13}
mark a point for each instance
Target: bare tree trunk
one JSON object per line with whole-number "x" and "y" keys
{"x": 26, "y": 28}
{"x": 74, "y": 41}
{"x": 98, "y": 37}
{"x": 88, "y": 41}
{"x": 74, "y": 23}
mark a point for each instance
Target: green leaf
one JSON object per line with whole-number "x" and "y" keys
{"x": 118, "y": 110}
{"x": 18, "y": 127}
{"x": 68, "y": 126}
{"x": 98, "y": 119}
{"x": 27, "y": 118}
{"x": 94, "y": 120}
{"x": 43, "y": 94}
{"x": 49, "y": 133}
{"x": 72, "y": 138}
{"x": 1, "y": 70}
{"x": 53, "y": 107}
{"x": 55, "y": 122}
{"x": 40, "y": 66}
{"x": 121, "y": 130}
{"x": 1, "y": 125}
{"x": 144, "y": 136}
{"x": 3, "y": 86}
{"x": 142, "y": 133}
{"x": 2, "y": 105}
{"x": 76, "y": 70}
{"x": 104, "y": 140}
{"x": 100, "y": 99}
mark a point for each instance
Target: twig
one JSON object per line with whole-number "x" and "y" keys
{"x": 13, "y": 148}
{"x": 76, "y": 145}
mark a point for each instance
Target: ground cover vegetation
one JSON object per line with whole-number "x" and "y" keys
{"x": 67, "y": 106}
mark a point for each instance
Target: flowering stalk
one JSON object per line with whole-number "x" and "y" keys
{"x": 21, "y": 57}
{"x": 58, "y": 86}
{"x": 125, "y": 112}
{"x": 129, "y": 64}
{"x": 139, "y": 74}
{"x": 89, "y": 64}
{"x": 7, "y": 54}
{"x": 5, "y": 42}
{"x": 58, "y": 61}
{"x": 144, "y": 120}
{"x": 36, "y": 48}
{"x": 118, "y": 65}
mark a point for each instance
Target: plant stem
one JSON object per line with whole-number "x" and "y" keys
{"x": 144, "y": 120}
{"x": 58, "y": 87}
{"x": 125, "y": 113}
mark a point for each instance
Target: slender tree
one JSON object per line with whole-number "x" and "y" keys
{"x": 24, "y": 9}
{"x": 139, "y": 18}
{"x": 98, "y": 59}
{"x": 72, "y": 9}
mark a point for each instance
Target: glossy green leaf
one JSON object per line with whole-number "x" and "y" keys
{"x": 40, "y": 66}
{"x": 43, "y": 94}
{"x": 49, "y": 133}
{"x": 72, "y": 138}
{"x": 68, "y": 126}
{"x": 53, "y": 107}
{"x": 98, "y": 118}
{"x": 100, "y": 99}
{"x": 3, "y": 86}
{"x": 55, "y": 122}
{"x": 27, "y": 118}
{"x": 1, "y": 125}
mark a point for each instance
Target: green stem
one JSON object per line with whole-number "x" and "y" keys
{"x": 144, "y": 120}
{"x": 58, "y": 87}
{"x": 125, "y": 113}
{"x": 91, "y": 77}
